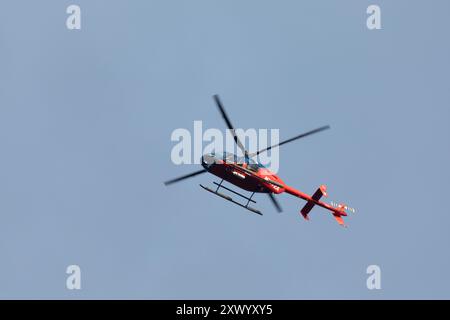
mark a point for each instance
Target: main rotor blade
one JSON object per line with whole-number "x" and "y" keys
{"x": 291, "y": 139}
{"x": 275, "y": 202}
{"x": 185, "y": 177}
{"x": 229, "y": 125}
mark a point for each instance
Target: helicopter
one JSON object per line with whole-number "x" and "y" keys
{"x": 249, "y": 175}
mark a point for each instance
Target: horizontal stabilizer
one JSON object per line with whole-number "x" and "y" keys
{"x": 322, "y": 191}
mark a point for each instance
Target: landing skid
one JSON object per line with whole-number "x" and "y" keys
{"x": 226, "y": 197}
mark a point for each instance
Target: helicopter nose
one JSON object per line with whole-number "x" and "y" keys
{"x": 208, "y": 160}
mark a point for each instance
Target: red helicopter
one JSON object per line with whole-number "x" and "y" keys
{"x": 252, "y": 176}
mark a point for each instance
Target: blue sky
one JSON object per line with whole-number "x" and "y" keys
{"x": 85, "y": 124}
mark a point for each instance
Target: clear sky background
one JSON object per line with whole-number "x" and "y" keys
{"x": 85, "y": 124}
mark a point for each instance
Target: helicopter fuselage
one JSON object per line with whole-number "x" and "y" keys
{"x": 247, "y": 176}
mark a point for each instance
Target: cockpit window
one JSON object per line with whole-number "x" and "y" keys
{"x": 229, "y": 157}
{"x": 252, "y": 164}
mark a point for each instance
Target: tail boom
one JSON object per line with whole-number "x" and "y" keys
{"x": 338, "y": 212}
